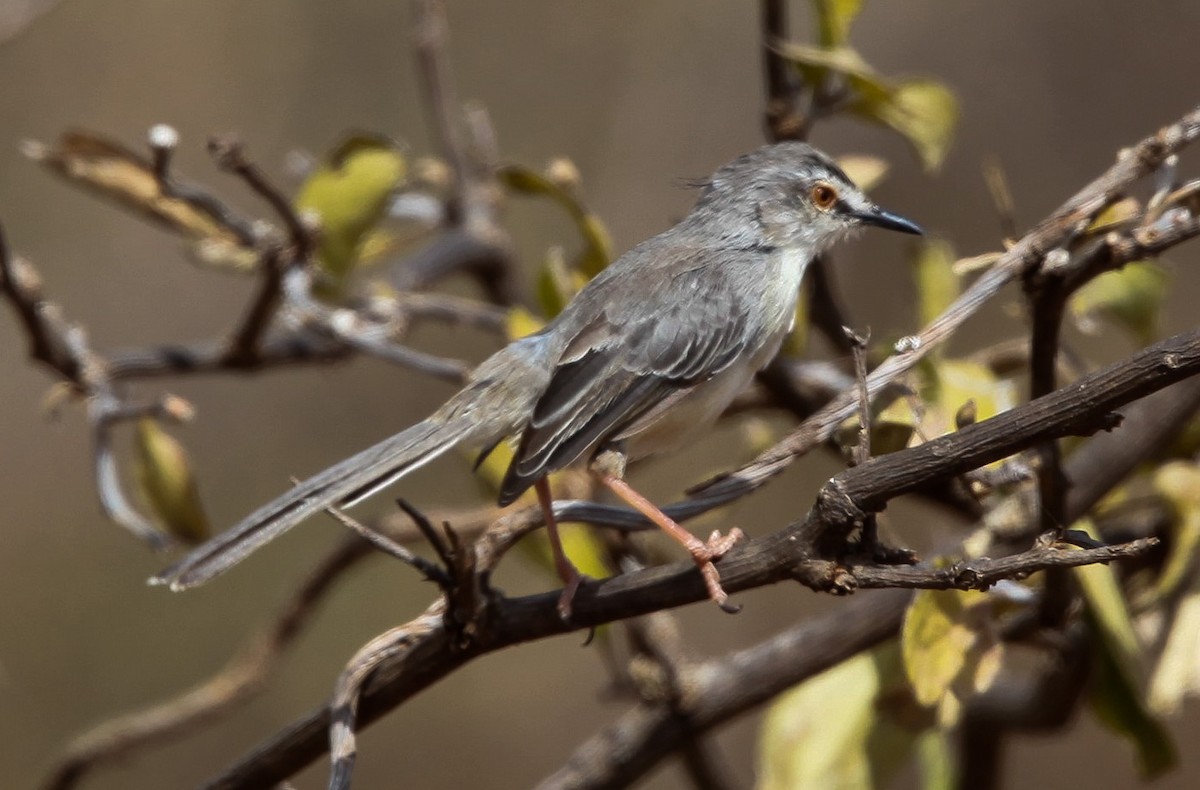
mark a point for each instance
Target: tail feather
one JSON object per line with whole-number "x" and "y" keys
{"x": 346, "y": 482}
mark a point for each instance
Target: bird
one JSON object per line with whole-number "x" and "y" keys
{"x": 646, "y": 355}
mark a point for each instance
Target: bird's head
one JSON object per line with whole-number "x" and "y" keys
{"x": 789, "y": 195}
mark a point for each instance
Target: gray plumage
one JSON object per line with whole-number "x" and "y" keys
{"x": 650, "y": 350}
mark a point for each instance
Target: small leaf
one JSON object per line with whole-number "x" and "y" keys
{"x": 597, "y": 250}
{"x": 815, "y": 62}
{"x": 937, "y": 283}
{"x": 166, "y": 479}
{"x": 796, "y": 342}
{"x": 521, "y": 323}
{"x": 107, "y": 168}
{"x": 349, "y": 193}
{"x": 1131, "y": 299}
{"x": 935, "y": 755}
{"x": 863, "y": 746}
{"x": 834, "y": 18}
{"x": 950, "y": 649}
{"x": 1118, "y": 704}
{"x": 1179, "y": 483}
{"x": 864, "y": 170}
{"x": 948, "y": 384}
{"x": 556, "y": 283}
{"x": 1116, "y": 695}
{"x": 924, "y": 111}
{"x": 1177, "y": 673}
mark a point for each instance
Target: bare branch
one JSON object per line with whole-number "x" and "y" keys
{"x": 788, "y": 554}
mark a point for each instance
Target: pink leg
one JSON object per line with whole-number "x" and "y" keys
{"x": 566, "y": 569}
{"x": 702, "y": 553}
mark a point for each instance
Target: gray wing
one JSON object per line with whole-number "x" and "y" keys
{"x": 641, "y": 349}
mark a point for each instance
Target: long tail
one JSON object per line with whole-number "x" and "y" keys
{"x": 495, "y": 404}
{"x": 344, "y": 483}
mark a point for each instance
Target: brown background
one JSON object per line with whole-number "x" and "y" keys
{"x": 639, "y": 94}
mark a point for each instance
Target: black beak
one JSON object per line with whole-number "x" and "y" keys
{"x": 886, "y": 219}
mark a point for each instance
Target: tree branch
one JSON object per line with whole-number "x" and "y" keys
{"x": 1084, "y": 406}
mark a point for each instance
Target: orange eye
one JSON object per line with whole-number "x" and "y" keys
{"x": 824, "y": 196}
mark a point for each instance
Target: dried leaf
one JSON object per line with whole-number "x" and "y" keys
{"x": 165, "y": 476}
{"x": 349, "y": 194}
{"x": 110, "y": 170}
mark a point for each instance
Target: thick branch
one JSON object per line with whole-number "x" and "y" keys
{"x": 1083, "y": 406}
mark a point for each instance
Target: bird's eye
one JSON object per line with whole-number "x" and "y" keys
{"x": 824, "y": 196}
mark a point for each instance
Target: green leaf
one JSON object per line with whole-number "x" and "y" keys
{"x": 349, "y": 194}
{"x": 1116, "y": 695}
{"x": 597, "y": 250}
{"x": 863, "y": 746}
{"x": 1118, "y": 705}
{"x": 1130, "y": 299}
{"x": 937, "y": 283}
{"x": 923, "y": 111}
{"x": 557, "y": 284}
{"x": 834, "y": 18}
{"x": 165, "y": 477}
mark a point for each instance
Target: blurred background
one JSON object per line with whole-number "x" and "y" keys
{"x": 639, "y": 95}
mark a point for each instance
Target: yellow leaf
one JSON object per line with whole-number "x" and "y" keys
{"x": 112, "y": 171}
{"x": 937, "y": 283}
{"x": 796, "y": 343}
{"x": 556, "y": 283}
{"x": 166, "y": 479}
{"x": 950, "y": 649}
{"x": 597, "y": 250}
{"x": 834, "y": 18}
{"x": 1131, "y": 299}
{"x": 864, "y": 170}
{"x": 521, "y": 323}
{"x": 1179, "y": 483}
{"x": 924, "y": 111}
{"x": 815, "y": 61}
{"x": 1177, "y": 673}
{"x": 349, "y": 194}
{"x": 802, "y": 746}
{"x": 948, "y": 384}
